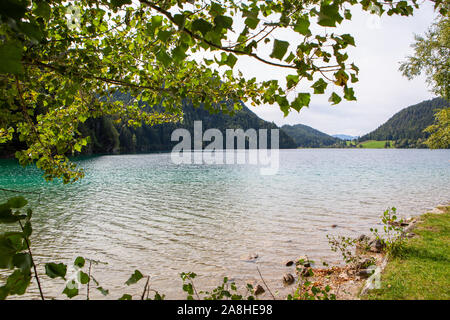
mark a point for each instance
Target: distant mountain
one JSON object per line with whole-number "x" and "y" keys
{"x": 406, "y": 126}
{"x": 308, "y": 137}
{"x": 345, "y": 137}
{"x": 108, "y": 137}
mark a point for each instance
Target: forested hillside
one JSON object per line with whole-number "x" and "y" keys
{"x": 406, "y": 127}
{"x": 108, "y": 137}
{"x": 308, "y": 137}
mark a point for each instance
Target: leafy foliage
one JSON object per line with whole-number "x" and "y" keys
{"x": 346, "y": 246}
{"x": 432, "y": 56}
{"x": 15, "y": 254}
{"x": 61, "y": 60}
{"x": 306, "y": 290}
{"x": 135, "y": 277}
{"x": 227, "y": 290}
{"x": 439, "y": 131}
{"x": 393, "y": 238}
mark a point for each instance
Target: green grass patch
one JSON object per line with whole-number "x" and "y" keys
{"x": 422, "y": 271}
{"x": 374, "y": 144}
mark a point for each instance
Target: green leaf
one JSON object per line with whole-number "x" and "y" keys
{"x": 301, "y": 101}
{"x": 119, "y": 3}
{"x": 334, "y": 98}
{"x": 12, "y": 218}
{"x": 32, "y": 31}
{"x": 10, "y": 244}
{"x": 224, "y": 22}
{"x": 4, "y": 292}
{"x": 5, "y": 210}
{"x": 164, "y": 58}
{"x": 164, "y": 35}
{"x": 18, "y": 282}
{"x": 290, "y": 58}
{"x": 17, "y": 202}
{"x": 251, "y": 22}
{"x": 216, "y": 9}
{"x": 283, "y": 103}
{"x": 103, "y": 291}
{"x": 43, "y": 10}
{"x": 179, "y": 54}
{"x": 135, "y": 277}
{"x": 71, "y": 289}
{"x": 157, "y": 22}
{"x": 329, "y": 15}
{"x": 348, "y": 39}
{"x": 29, "y": 213}
{"x": 6, "y": 215}
{"x": 84, "y": 277}
{"x": 201, "y": 25}
{"x": 279, "y": 49}
{"x": 27, "y": 229}
{"x": 341, "y": 78}
{"x": 126, "y": 297}
{"x": 79, "y": 262}
{"x": 231, "y": 60}
{"x": 13, "y": 9}
{"x": 349, "y": 94}
{"x": 179, "y": 20}
{"x": 302, "y": 26}
{"x": 23, "y": 261}
{"x": 292, "y": 80}
{"x": 319, "y": 86}
{"x": 188, "y": 288}
{"x": 6, "y": 258}
{"x": 347, "y": 14}
{"x": 158, "y": 296}
{"x": 54, "y": 270}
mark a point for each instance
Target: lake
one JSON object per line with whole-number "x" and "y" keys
{"x": 144, "y": 212}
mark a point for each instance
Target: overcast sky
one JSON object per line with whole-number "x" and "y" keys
{"x": 381, "y": 43}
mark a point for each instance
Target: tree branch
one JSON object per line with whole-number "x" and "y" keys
{"x": 211, "y": 44}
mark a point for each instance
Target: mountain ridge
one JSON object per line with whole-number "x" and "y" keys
{"x": 345, "y": 136}
{"x": 308, "y": 137}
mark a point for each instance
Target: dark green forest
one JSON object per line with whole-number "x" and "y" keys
{"x": 108, "y": 137}
{"x": 406, "y": 126}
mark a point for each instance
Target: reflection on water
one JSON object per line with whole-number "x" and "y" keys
{"x": 143, "y": 212}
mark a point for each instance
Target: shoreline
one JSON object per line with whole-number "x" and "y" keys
{"x": 352, "y": 282}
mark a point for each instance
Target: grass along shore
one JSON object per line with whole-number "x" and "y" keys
{"x": 422, "y": 270}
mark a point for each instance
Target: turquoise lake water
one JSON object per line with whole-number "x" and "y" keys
{"x": 144, "y": 212}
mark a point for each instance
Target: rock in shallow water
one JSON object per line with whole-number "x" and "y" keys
{"x": 259, "y": 290}
{"x": 376, "y": 245}
{"x": 289, "y": 263}
{"x": 288, "y": 279}
{"x": 251, "y": 257}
